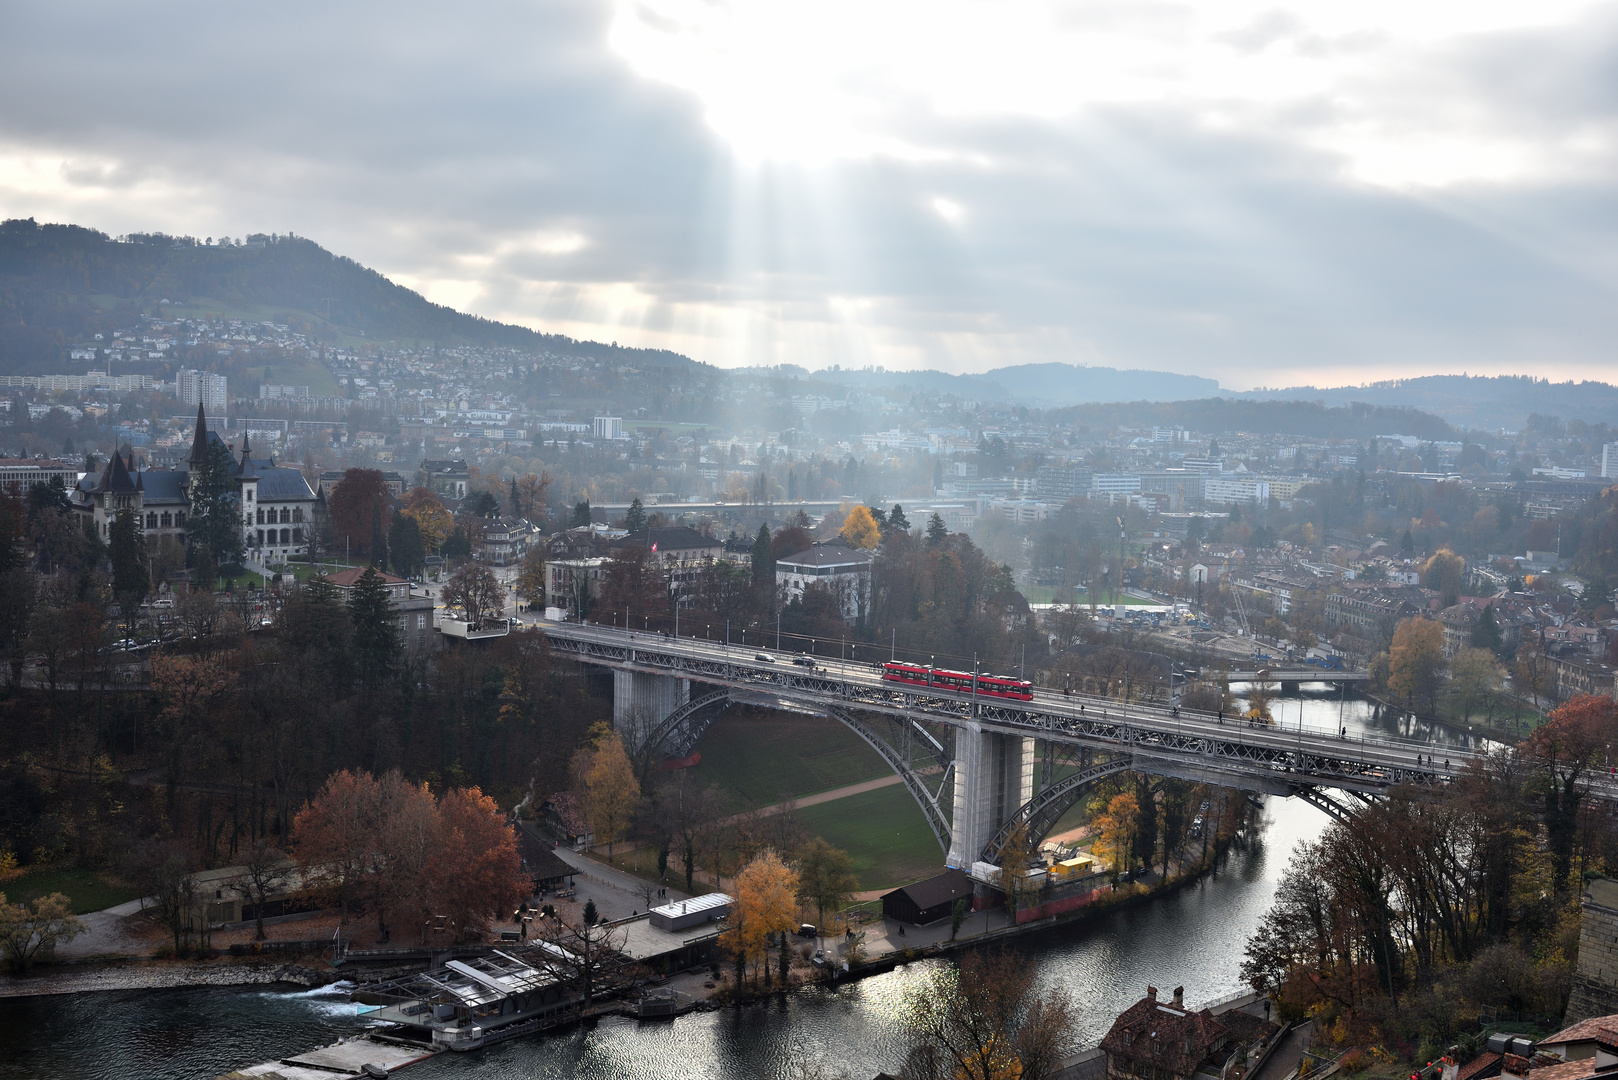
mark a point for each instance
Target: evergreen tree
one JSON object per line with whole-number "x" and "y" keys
{"x": 130, "y": 577}
{"x": 635, "y": 519}
{"x": 1486, "y": 632}
{"x": 792, "y": 485}
{"x": 937, "y": 531}
{"x": 457, "y": 545}
{"x": 897, "y": 522}
{"x": 207, "y": 571}
{"x": 376, "y": 640}
{"x": 763, "y": 564}
{"x": 405, "y": 549}
{"x": 581, "y": 515}
{"x": 379, "y": 540}
{"x": 514, "y": 501}
{"x": 214, "y": 519}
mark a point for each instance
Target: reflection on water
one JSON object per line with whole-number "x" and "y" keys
{"x": 1193, "y": 938}
{"x": 1325, "y": 708}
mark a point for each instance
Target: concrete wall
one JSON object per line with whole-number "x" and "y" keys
{"x": 994, "y": 775}
{"x": 640, "y": 701}
{"x": 1595, "y": 980}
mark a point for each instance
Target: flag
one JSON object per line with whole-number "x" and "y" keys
{"x": 654, "y": 546}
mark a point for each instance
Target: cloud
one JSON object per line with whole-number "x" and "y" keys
{"x": 1266, "y": 193}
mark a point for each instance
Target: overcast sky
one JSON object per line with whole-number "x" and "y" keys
{"x": 1266, "y": 194}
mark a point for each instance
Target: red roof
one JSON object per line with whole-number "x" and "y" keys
{"x": 347, "y": 579}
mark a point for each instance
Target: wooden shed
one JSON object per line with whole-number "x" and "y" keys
{"x": 928, "y": 901}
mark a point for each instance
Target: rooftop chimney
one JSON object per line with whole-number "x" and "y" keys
{"x": 1179, "y": 997}
{"x": 1151, "y": 993}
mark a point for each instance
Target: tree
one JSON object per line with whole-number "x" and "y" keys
{"x": 530, "y": 491}
{"x": 897, "y": 522}
{"x": 1445, "y": 573}
{"x": 214, "y": 520}
{"x": 1416, "y": 662}
{"x": 860, "y": 529}
{"x": 937, "y": 531}
{"x": 475, "y": 593}
{"x": 1486, "y": 632}
{"x": 379, "y": 540}
{"x": 1477, "y": 675}
{"x": 476, "y": 870}
{"x": 985, "y": 1020}
{"x": 1116, "y": 828}
{"x": 457, "y": 545}
{"x": 693, "y": 812}
{"x": 584, "y": 953}
{"x": 186, "y": 689}
{"x": 531, "y": 578}
{"x": 355, "y": 504}
{"x": 633, "y": 584}
{"x": 480, "y": 504}
{"x": 1567, "y": 745}
{"x": 766, "y": 905}
{"x": 580, "y": 518}
{"x": 433, "y": 522}
{"x": 405, "y": 547}
{"x": 610, "y": 788}
{"x": 265, "y": 871}
{"x": 826, "y": 878}
{"x": 1532, "y": 671}
{"x": 30, "y": 932}
{"x": 375, "y": 636}
{"x": 130, "y": 578}
{"x": 1017, "y": 856}
{"x": 763, "y": 560}
{"x": 635, "y": 519}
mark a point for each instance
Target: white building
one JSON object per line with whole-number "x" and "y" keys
{"x": 1609, "y": 461}
{"x": 203, "y": 388}
{"x": 1231, "y": 489}
{"x": 844, "y": 570}
{"x": 609, "y": 427}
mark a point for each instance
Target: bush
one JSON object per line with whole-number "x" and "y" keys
{"x": 1355, "y": 1061}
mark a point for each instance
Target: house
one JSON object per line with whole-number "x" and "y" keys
{"x": 1156, "y": 1040}
{"x": 161, "y": 499}
{"x": 928, "y": 901}
{"x": 503, "y": 541}
{"x": 844, "y": 570}
{"x": 414, "y": 613}
{"x": 451, "y": 478}
{"x": 571, "y": 584}
{"x": 681, "y": 552}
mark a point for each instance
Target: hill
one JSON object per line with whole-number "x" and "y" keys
{"x": 1477, "y": 402}
{"x": 1035, "y": 385}
{"x": 60, "y": 284}
{"x": 1356, "y": 420}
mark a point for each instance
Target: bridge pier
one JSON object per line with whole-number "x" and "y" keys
{"x": 994, "y": 777}
{"x": 640, "y": 700}
{"x": 1290, "y": 687}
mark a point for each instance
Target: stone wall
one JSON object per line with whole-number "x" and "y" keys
{"x": 1595, "y": 979}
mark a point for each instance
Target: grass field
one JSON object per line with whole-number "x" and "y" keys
{"x": 884, "y": 834}
{"x": 759, "y": 758}
{"x": 90, "y": 890}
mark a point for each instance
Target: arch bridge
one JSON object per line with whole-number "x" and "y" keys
{"x": 979, "y": 766}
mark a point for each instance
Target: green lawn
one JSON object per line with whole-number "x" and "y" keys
{"x": 884, "y": 834}
{"x": 759, "y": 758}
{"x": 90, "y": 890}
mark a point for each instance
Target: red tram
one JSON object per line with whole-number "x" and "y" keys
{"x": 958, "y": 681}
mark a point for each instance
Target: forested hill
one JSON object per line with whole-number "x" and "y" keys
{"x": 1357, "y": 421}
{"x": 59, "y": 284}
{"x": 1478, "y": 402}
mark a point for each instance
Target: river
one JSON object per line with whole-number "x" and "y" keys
{"x": 1193, "y": 938}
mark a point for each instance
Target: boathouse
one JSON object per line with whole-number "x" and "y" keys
{"x": 928, "y": 901}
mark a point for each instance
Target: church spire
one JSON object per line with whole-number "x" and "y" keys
{"x": 199, "y": 442}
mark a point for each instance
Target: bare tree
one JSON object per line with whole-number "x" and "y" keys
{"x": 265, "y": 871}
{"x": 578, "y": 953}
{"x": 985, "y": 1020}
{"x": 474, "y": 591}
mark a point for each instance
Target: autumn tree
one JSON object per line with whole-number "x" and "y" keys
{"x": 1566, "y": 746}
{"x": 476, "y": 871}
{"x": 766, "y": 905}
{"x": 1416, "y": 662}
{"x": 531, "y": 578}
{"x": 860, "y": 529}
{"x": 1532, "y": 671}
{"x": 432, "y": 520}
{"x": 633, "y": 585}
{"x": 357, "y": 500}
{"x": 265, "y": 871}
{"x": 826, "y": 878}
{"x": 31, "y": 931}
{"x": 986, "y": 1020}
{"x": 186, "y": 689}
{"x": 1476, "y": 676}
{"x": 1116, "y": 828}
{"x": 610, "y": 787}
{"x": 1445, "y": 573}
{"x": 1017, "y": 857}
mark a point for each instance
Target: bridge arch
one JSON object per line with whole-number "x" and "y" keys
{"x": 1041, "y": 813}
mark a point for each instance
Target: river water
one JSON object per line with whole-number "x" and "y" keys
{"x": 1193, "y": 938}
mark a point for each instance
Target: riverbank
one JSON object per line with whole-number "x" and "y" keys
{"x": 161, "y": 975}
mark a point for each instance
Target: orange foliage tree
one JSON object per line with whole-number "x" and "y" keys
{"x": 766, "y": 905}
{"x": 1568, "y": 744}
{"x": 359, "y": 499}
{"x": 385, "y": 844}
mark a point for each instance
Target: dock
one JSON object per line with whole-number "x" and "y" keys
{"x": 357, "y": 1058}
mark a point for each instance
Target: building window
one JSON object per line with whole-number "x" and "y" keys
{"x": 179, "y": 518}
{"x": 421, "y": 621}
{"x": 168, "y": 519}
{"x": 249, "y": 494}
{"x": 151, "y": 521}
{"x": 286, "y": 536}
{"x": 261, "y": 515}
{"x": 297, "y": 514}
{"x": 260, "y": 538}
{"x": 297, "y": 536}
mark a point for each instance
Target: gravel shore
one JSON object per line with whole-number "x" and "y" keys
{"x": 157, "y": 975}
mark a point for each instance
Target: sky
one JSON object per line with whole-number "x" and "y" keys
{"x": 1270, "y": 194}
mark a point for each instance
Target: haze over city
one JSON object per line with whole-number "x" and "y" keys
{"x": 1294, "y": 194}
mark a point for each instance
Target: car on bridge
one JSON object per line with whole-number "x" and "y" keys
{"x": 764, "y": 657}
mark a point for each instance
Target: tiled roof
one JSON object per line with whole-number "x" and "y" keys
{"x": 1484, "y": 1065}
{"x": 1584, "y": 1031}
{"x": 1155, "y": 1036}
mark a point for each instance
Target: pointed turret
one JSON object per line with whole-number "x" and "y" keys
{"x": 247, "y": 472}
{"x": 199, "y": 442}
